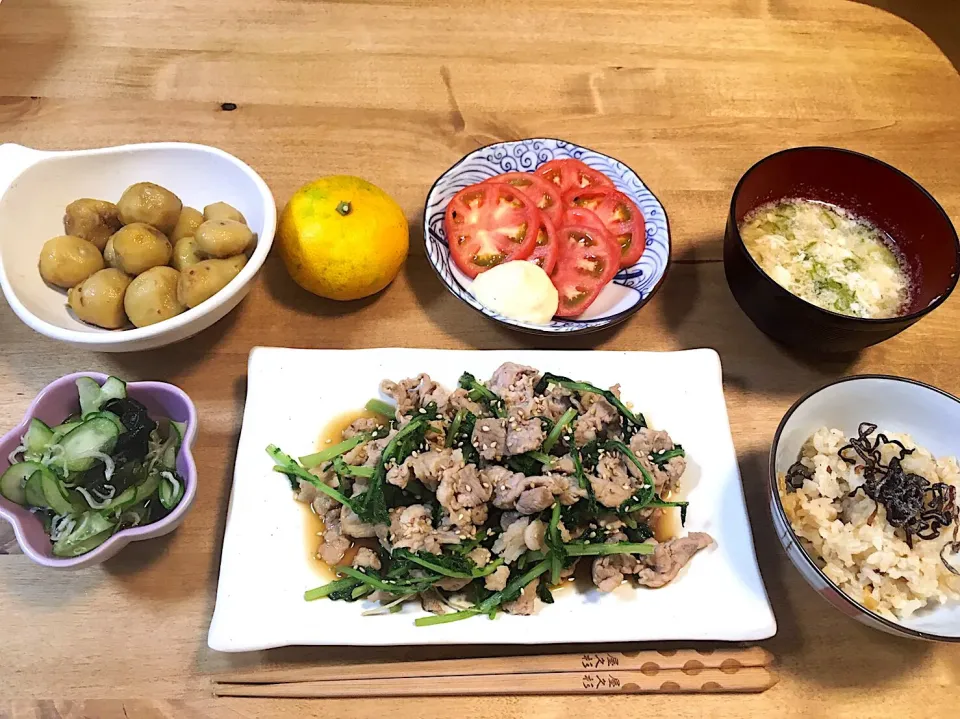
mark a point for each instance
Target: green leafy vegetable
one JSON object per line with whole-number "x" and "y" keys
{"x": 479, "y": 392}
{"x": 285, "y": 464}
{"x": 558, "y": 429}
{"x": 384, "y": 409}
{"x": 632, "y": 421}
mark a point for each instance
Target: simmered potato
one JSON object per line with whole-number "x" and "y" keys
{"x": 109, "y": 254}
{"x": 203, "y": 280}
{"x": 138, "y": 247}
{"x": 152, "y": 297}
{"x": 151, "y": 204}
{"x": 186, "y": 253}
{"x": 92, "y": 220}
{"x": 99, "y": 299}
{"x": 190, "y": 220}
{"x": 223, "y": 211}
{"x": 223, "y": 238}
{"x": 67, "y": 260}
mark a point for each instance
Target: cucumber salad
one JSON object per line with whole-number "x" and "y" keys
{"x": 108, "y": 467}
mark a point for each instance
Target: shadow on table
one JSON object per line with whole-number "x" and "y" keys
{"x": 698, "y": 307}
{"x": 847, "y": 652}
{"x": 937, "y": 19}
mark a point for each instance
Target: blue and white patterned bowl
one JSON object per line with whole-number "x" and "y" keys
{"x": 631, "y": 288}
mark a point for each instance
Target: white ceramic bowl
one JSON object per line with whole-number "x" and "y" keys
{"x": 36, "y": 186}
{"x": 895, "y": 405}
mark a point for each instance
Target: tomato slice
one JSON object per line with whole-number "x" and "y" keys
{"x": 546, "y": 250}
{"x": 581, "y": 216}
{"x": 544, "y": 194}
{"x": 589, "y": 258}
{"x": 488, "y": 224}
{"x": 619, "y": 215}
{"x": 572, "y": 174}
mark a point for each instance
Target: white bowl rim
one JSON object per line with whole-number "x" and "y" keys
{"x": 121, "y": 337}
{"x": 896, "y": 627}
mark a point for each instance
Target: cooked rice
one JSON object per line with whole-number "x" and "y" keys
{"x": 850, "y": 538}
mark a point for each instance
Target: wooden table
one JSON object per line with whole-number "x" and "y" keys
{"x": 689, "y": 93}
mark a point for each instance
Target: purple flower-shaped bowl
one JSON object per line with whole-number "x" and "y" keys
{"x": 55, "y": 402}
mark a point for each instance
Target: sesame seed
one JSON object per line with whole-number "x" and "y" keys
{"x": 328, "y": 441}
{"x": 485, "y": 428}
{"x": 493, "y": 445}
{"x": 485, "y": 485}
{"x": 423, "y": 411}
{"x": 483, "y": 446}
{"x": 626, "y": 486}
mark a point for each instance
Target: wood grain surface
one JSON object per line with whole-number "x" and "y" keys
{"x": 688, "y": 92}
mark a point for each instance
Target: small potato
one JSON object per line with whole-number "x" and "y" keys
{"x": 99, "y": 299}
{"x": 203, "y": 280}
{"x": 151, "y": 204}
{"x": 223, "y": 211}
{"x": 190, "y": 220}
{"x": 186, "y": 253}
{"x": 109, "y": 254}
{"x": 67, "y": 260}
{"x": 223, "y": 238}
{"x": 138, "y": 247}
{"x": 152, "y": 297}
{"x": 93, "y": 220}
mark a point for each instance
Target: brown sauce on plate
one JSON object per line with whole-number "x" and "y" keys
{"x": 313, "y": 527}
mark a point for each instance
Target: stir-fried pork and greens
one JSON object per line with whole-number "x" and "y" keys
{"x": 482, "y": 499}
{"x": 109, "y": 466}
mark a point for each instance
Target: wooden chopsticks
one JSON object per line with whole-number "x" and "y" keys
{"x": 683, "y": 670}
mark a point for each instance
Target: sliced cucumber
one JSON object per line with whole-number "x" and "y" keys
{"x": 93, "y": 396}
{"x": 92, "y": 531}
{"x": 146, "y": 488}
{"x": 89, "y": 392}
{"x": 38, "y": 437}
{"x": 97, "y": 435}
{"x": 170, "y": 491}
{"x": 54, "y": 493}
{"x": 113, "y": 388}
{"x": 125, "y": 497}
{"x": 61, "y": 429}
{"x": 34, "y": 490}
{"x": 12, "y": 481}
{"x": 112, "y": 417}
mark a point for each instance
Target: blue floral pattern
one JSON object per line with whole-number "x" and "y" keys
{"x": 639, "y": 280}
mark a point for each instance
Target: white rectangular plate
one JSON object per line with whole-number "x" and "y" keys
{"x": 292, "y": 394}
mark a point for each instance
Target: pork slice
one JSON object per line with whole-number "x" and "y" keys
{"x": 460, "y": 399}
{"x": 497, "y": 580}
{"x": 490, "y": 437}
{"x": 412, "y": 528}
{"x": 334, "y": 544}
{"x": 366, "y": 558}
{"x": 608, "y": 572}
{"x": 612, "y": 485}
{"x": 464, "y": 495}
{"x": 512, "y": 541}
{"x": 360, "y": 425}
{"x": 431, "y": 602}
{"x": 514, "y": 383}
{"x": 480, "y": 556}
{"x": 351, "y": 526}
{"x": 414, "y": 393}
{"x": 524, "y": 435}
{"x": 649, "y": 441}
{"x": 670, "y": 557}
{"x": 524, "y": 604}
{"x": 600, "y": 421}
{"x": 534, "y": 500}
{"x": 453, "y": 584}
